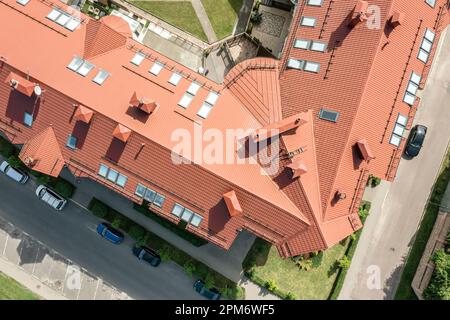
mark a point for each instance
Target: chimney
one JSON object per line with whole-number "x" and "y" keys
{"x": 298, "y": 168}
{"x": 340, "y": 195}
{"x": 146, "y": 105}
{"x": 397, "y": 19}
{"x": 122, "y": 133}
{"x": 359, "y": 14}
{"x": 232, "y": 202}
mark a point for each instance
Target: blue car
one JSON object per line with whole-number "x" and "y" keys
{"x": 210, "y": 294}
{"x": 110, "y": 233}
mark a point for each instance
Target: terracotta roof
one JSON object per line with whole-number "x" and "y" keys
{"x": 83, "y": 114}
{"x": 41, "y": 153}
{"x": 20, "y": 84}
{"x": 122, "y": 133}
{"x": 117, "y": 24}
{"x": 232, "y": 202}
{"x": 145, "y": 104}
{"x": 101, "y": 38}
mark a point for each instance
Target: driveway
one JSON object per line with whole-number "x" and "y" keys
{"x": 73, "y": 234}
{"x": 398, "y": 207}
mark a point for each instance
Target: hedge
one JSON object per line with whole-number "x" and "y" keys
{"x": 228, "y": 288}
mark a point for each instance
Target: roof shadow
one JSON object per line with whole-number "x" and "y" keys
{"x": 80, "y": 131}
{"x": 137, "y": 114}
{"x": 115, "y": 150}
{"x": 218, "y": 217}
{"x": 19, "y": 103}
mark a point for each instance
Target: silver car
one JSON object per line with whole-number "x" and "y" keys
{"x": 51, "y": 197}
{"x": 13, "y": 173}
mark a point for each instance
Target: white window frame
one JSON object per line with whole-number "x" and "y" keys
{"x": 175, "y": 79}
{"x": 186, "y": 100}
{"x": 101, "y": 76}
{"x": 295, "y": 64}
{"x": 212, "y": 98}
{"x": 189, "y": 213}
{"x": 23, "y": 2}
{"x": 308, "y": 21}
{"x": 177, "y": 210}
{"x": 102, "y": 169}
{"x": 156, "y": 68}
{"x": 318, "y": 46}
{"x": 54, "y": 14}
{"x": 159, "y": 200}
{"x": 302, "y": 44}
{"x": 121, "y": 180}
{"x": 431, "y": 3}
{"x": 138, "y": 58}
{"x": 140, "y": 190}
{"x": 75, "y": 63}
{"x": 85, "y": 68}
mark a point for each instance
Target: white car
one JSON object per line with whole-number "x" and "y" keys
{"x": 13, "y": 173}
{"x": 51, "y": 197}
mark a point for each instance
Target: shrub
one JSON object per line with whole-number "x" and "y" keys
{"x": 165, "y": 254}
{"x": 99, "y": 209}
{"x": 15, "y": 162}
{"x": 233, "y": 292}
{"x": 317, "y": 259}
{"x": 42, "y": 179}
{"x": 189, "y": 267}
{"x": 344, "y": 263}
{"x": 64, "y": 188}
{"x": 373, "y": 181}
{"x": 291, "y": 296}
{"x": 6, "y": 148}
{"x": 270, "y": 285}
{"x": 117, "y": 222}
{"x": 137, "y": 232}
{"x": 209, "y": 281}
{"x": 439, "y": 286}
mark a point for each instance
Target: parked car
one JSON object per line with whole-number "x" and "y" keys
{"x": 110, "y": 233}
{"x": 148, "y": 255}
{"x": 211, "y": 294}
{"x": 13, "y": 173}
{"x": 51, "y": 197}
{"x": 415, "y": 140}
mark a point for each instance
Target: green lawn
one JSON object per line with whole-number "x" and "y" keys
{"x": 315, "y": 284}
{"x": 404, "y": 291}
{"x": 178, "y": 13}
{"x": 222, "y": 15}
{"x": 10, "y": 289}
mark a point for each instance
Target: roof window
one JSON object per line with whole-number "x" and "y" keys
{"x": 175, "y": 78}
{"x": 315, "y": 3}
{"x": 101, "y": 76}
{"x": 185, "y": 100}
{"x": 308, "y": 21}
{"x": 64, "y": 19}
{"x": 312, "y": 67}
{"x": 193, "y": 88}
{"x": 205, "y": 109}
{"x": 399, "y": 130}
{"x": 426, "y": 46}
{"x": 329, "y": 115}
{"x": 156, "y": 68}
{"x": 411, "y": 89}
{"x": 23, "y": 2}
{"x": 138, "y": 58}
{"x": 302, "y": 44}
{"x": 295, "y": 64}
{"x": 212, "y": 98}
{"x": 80, "y": 66}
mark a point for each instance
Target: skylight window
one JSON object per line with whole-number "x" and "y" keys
{"x": 295, "y": 64}
{"x": 138, "y": 58}
{"x": 103, "y": 170}
{"x": 318, "y": 46}
{"x": 399, "y": 130}
{"x": 429, "y": 35}
{"x": 212, "y": 98}
{"x": 312, "y": 67}
{"x": 150, "y": 195}
{"x": 85, "y": 68}
{"x": 329, "y": 115}
{"x": 308, "y": 22}
{"x": 28, "y": 119}
{"x": 71, "y": 142}
{"x": 101, "y": 76}
{"x": 196, "y": 220}
{"x": 112, "y": 175}
{"x": 431, "y": 3}
{"x": 159, "y": 200}
{"x": 185, "y": 100}
{"x": 204, "y": 111}
{"x": 156, "y": 68}
{"x": 426, "y": 46}
{"x": 63, "y": 19}
{"x": 54, "y": 14}
{"x": 187, "y": 215}
{"x": 315, "y": 3}
{"x": 72, "y": 24}
{"x": 193, "y": 88}
{"x": 411, "y": 89}
{"x": 140, "y": 190}
{"x": 75, "y": 63}
{"x": 302, "y": 44}
{"x": 177, "y": 210}
{"x": 23, "y": 2}
{"x": 175, "y": 79}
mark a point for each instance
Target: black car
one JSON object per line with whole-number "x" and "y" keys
{"x": 211, "y": 294}
{"x": 148, "y": 255}
{"x": 415, "y": 140}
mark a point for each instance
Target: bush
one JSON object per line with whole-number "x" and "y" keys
{"x": 136, "y": 232}
{"x": 164, "y": 253}
{"x": 117, "y": 222}
{"x": 99, "y": 209}
{"x": 42, "y": 179}
{"x": 233, "y": 292}
{"x": 15, "y": 162}
{"x": 6, "y": 148}
{"x": 270, "y": 285}
{"x": 290, "y": 296}
{"x": 344, "y": 263}
{"x": 373, "y": 181}
{"x": 439, "y": 286}
{"x": 64, "y": 188}
{"x": 189, "y": 267}
{"x": 317, "y": 259}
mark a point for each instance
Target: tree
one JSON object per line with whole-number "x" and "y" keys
{"x": 14, "y": 162}
{"x": 117, "y": 222}
{"x": 189, "y": 267}
{"x": 344, "y": 263}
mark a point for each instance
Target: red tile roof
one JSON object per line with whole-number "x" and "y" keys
{"x": 83, "y": 114}
{"x": 362, "y": 77}
{"x": 20, "y": 84}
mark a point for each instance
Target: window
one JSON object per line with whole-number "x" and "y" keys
{"x": 426, "y": 46}
{"x": 308, "y": 21}
{"x": 315, "y": 3}
{"x": 103, "y": 171}
{"x": 205, "y": 109}
{"x": 411, "y": 89}
{"x": 140, "y": 190}
{"x": 138, "y": 58}
{"x": 193, "y": 88}
{"x": 150, "y": 195}
{"x": 329, "y": 115}
{"x": 23, "y": 2}
{"x": 187, "y": 215}
{"x": 28, "y": 119}
{"x": 156, "y": 68}
{"x": 196, "y": 220}
{"x": 71, "y": 142}
{"x": 312, "y": 67}
{"x": 295, "y": 64}
{"x": 159, "y": 200}
{"x": 80, "y": 66}
{"x": 177, "y": 210}
{"x": 302, "y": 44}
{"x": 101, "y": 76}
{"x": 399, "y": 130}
{"x": 431, "y": 3}
{"x": 185, "y": 100}
{"x": 62, "y": 18}
{"x": 175, "y": 79}
{"x": 212, "y": 98}
{"x": 318, "y": 46}
{"x": 112, "y": 175}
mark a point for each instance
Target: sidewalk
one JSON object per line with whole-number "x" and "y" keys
{"x": 204, "y": 20}
{"x": 228, "y": 263}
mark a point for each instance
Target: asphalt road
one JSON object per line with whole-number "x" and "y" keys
{"x": 72, "y": 233}
{"x": 397, "y": 208}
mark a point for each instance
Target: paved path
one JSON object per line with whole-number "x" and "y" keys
{"x": 204, "y": 20}
{"x": 72, "y": 234}
{"x": 398, "y": 207}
